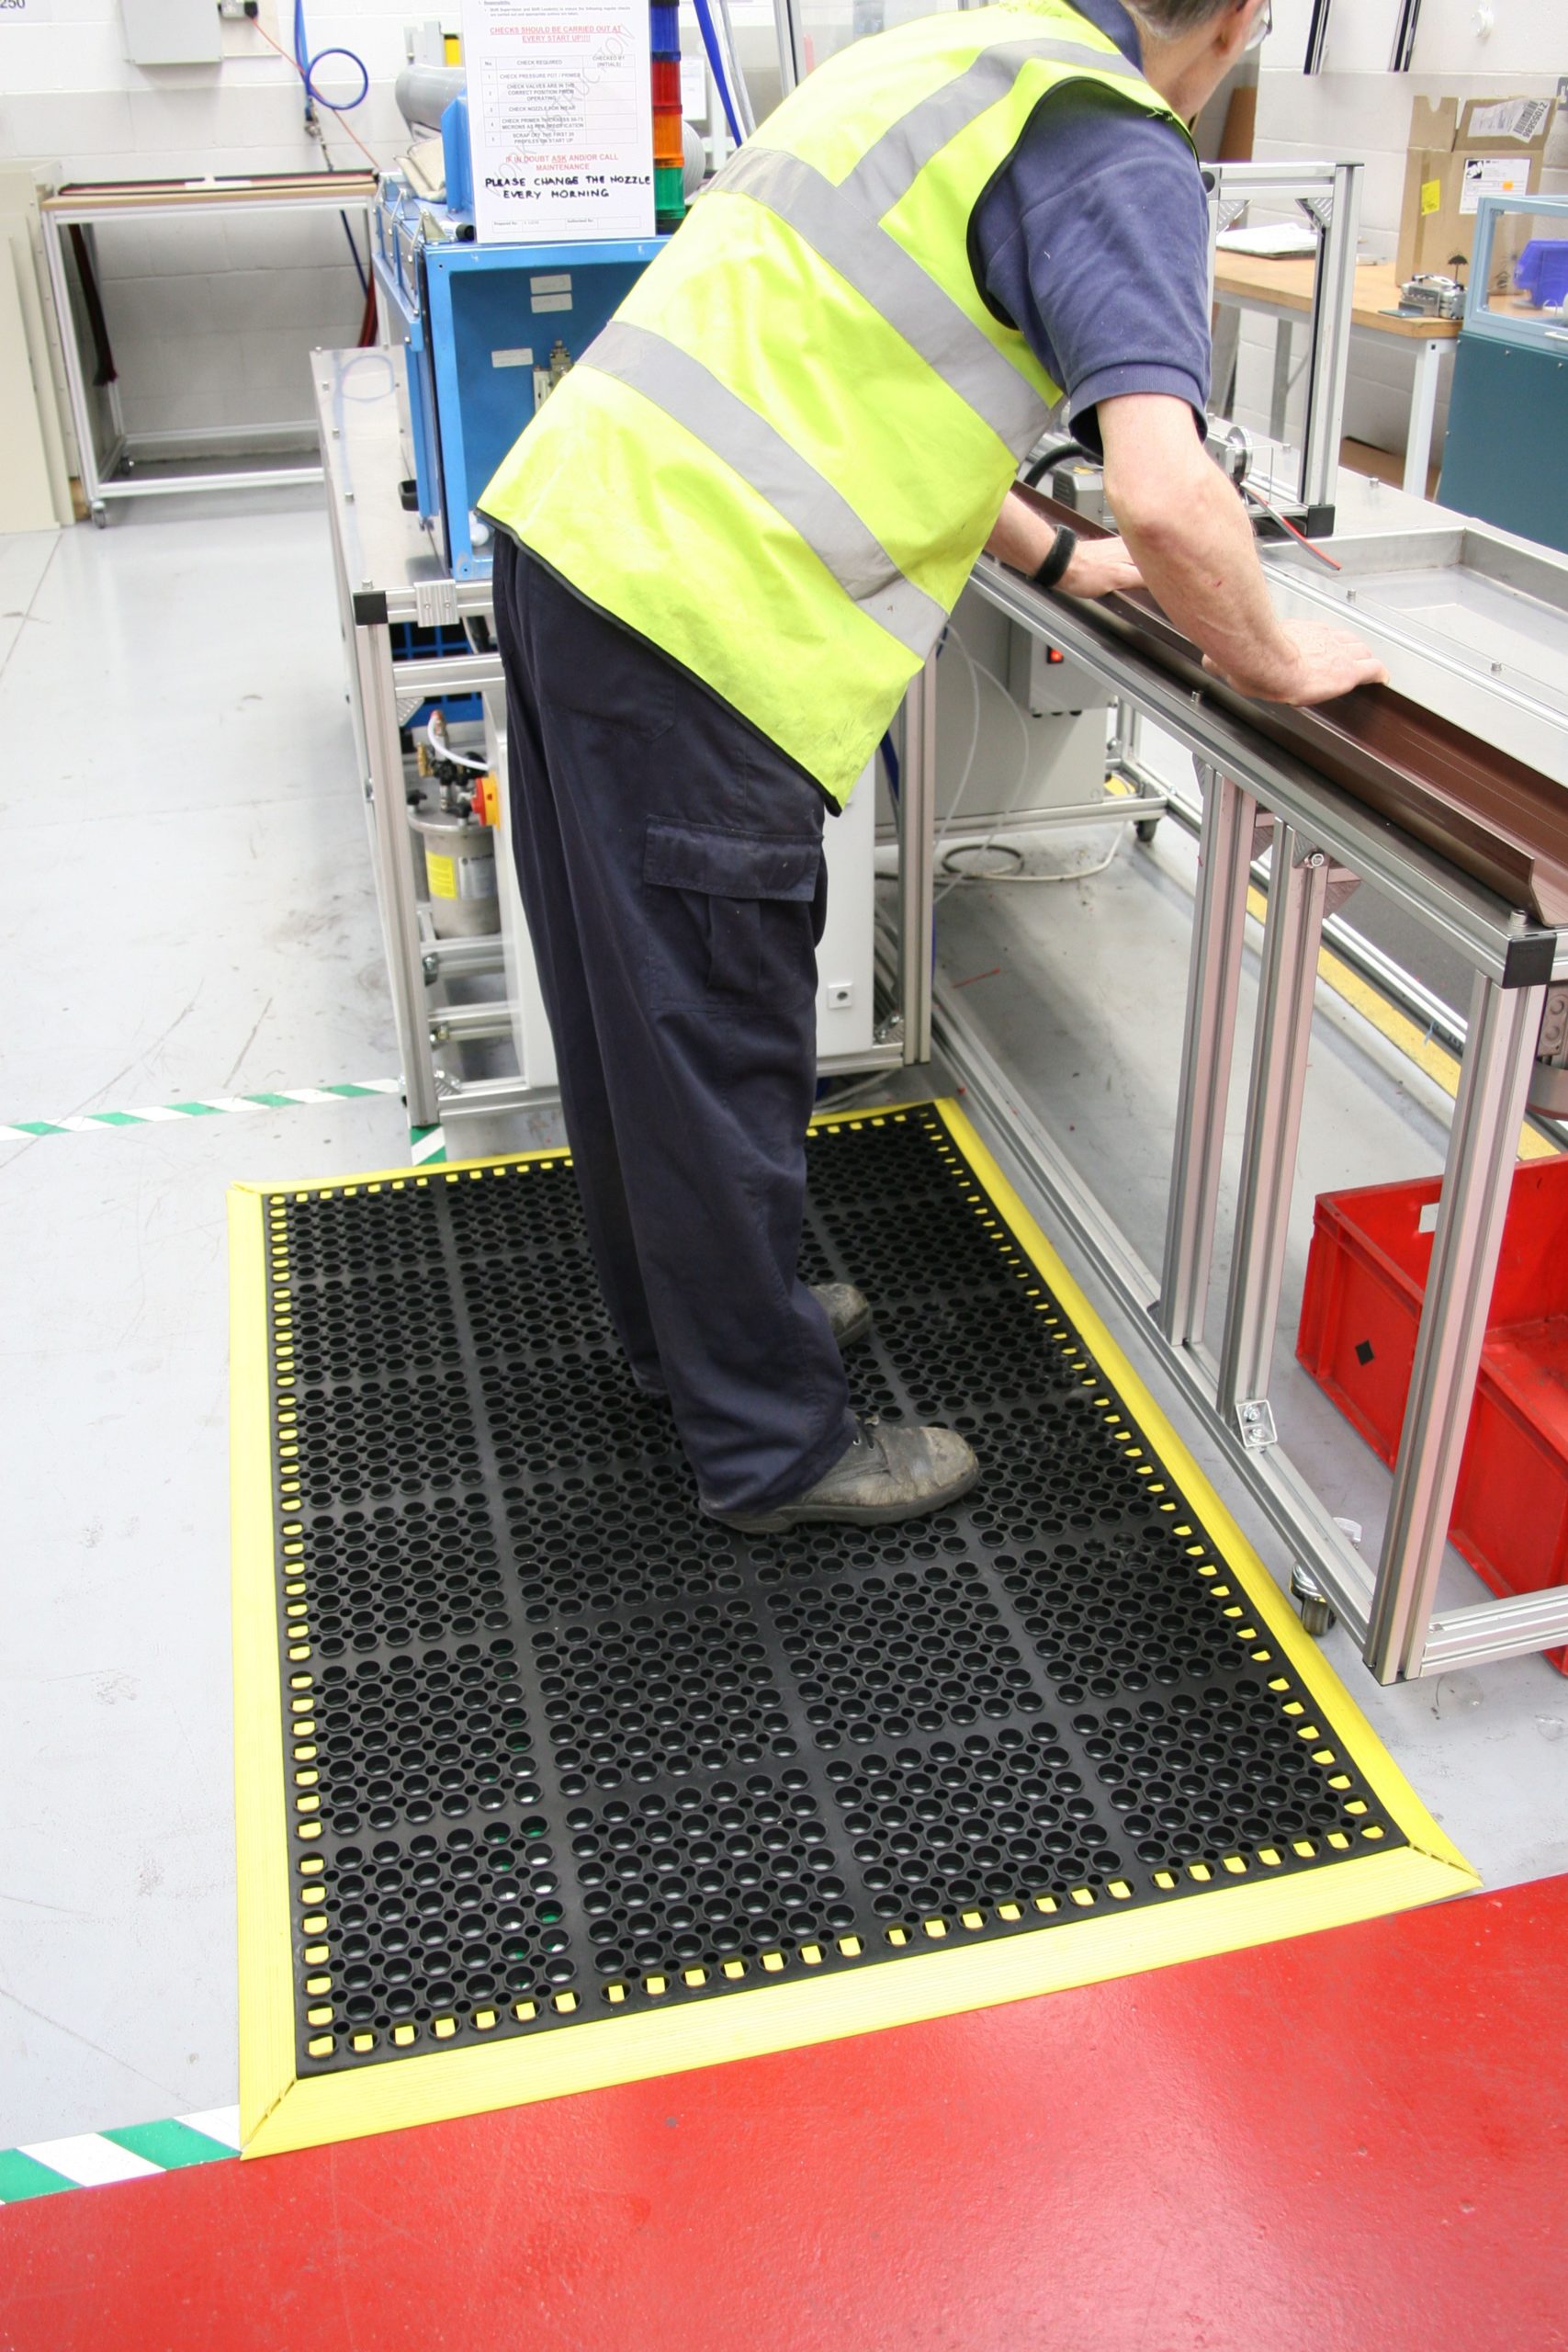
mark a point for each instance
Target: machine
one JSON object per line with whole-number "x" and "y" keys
{"x": 1508, "y": 418}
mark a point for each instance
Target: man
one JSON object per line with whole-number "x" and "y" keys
{"x": 725, "y": 547}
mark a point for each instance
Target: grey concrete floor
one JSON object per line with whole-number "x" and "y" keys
{"x": 189, "y": 911}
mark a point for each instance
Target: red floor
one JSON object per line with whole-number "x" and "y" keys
{"x": 1354, "y": 2142}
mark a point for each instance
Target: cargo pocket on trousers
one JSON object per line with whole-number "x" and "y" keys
{"x": 729, "y": 915}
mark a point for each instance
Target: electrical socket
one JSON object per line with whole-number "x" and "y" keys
{"x": 242, "y": 27}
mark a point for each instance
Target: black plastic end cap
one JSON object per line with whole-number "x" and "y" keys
{"x": 1529, "y": 960}
{"x": 370, "y": 608}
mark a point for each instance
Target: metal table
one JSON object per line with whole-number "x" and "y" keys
{"x": 388, "y": 572}
{"x": 84, "y": 207}
{"x": 1513, "y": 961}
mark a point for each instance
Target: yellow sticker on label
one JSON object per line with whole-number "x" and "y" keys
{"x": 1431, "y": 196}
{"x": 442, "y": 874}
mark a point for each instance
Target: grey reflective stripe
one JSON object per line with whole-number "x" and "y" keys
{"x": 808, "y": 502}
{"x": 888, "y": 171}
{"x": 895, "y": 284}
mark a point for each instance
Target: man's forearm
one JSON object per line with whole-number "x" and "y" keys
{"x": 1022, "y": 538}
{"x": 1197, "y": 553}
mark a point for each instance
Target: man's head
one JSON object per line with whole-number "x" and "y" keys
{"x": 1190, "y": 45}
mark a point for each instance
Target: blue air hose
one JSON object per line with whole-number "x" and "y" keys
{"x": 716, "y": 60}
{"x": 308, "y": 64}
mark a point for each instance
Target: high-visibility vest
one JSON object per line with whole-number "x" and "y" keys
{"x": 779, "y": 460}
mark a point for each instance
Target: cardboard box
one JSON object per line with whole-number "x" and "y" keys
{"x": 1460, "y": 152}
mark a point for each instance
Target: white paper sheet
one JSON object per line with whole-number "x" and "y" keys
{"x": 561, "y": 118}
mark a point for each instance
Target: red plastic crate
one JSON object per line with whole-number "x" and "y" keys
{"x": 1366, "y": 1278}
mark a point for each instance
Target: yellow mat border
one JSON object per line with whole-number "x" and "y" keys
{"x": 280, "y": 2110}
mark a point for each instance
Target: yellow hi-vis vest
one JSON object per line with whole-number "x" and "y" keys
{"x": 779, "y": 460}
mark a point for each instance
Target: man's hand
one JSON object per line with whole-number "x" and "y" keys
{"x": 1193, "y": 543}
{"x": 1024, "y": 538}
{"x": 1324, "y": 663}
{"x": 1100, "y": 568}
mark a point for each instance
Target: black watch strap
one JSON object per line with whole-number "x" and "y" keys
{"x": 1050, "y": 574}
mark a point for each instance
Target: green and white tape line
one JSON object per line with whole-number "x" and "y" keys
{"x": 207, "y": 1106}
{"x": 93, "y": 2159}
{"x": 427, "y": 1144}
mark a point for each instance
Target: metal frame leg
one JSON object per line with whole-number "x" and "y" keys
{"x": 1224, "y": 861}
{"x": 71, "y": 358}
{"x": 1423, "y": 414}
{"x": 1477, "y": 1181}
{"x": 1279, "y": 402}
{"x": 916, "y": 862}
{"x": 1287, "y": 989}
{"x": 1331, "y": 320}
{"x": 384, "y": 791}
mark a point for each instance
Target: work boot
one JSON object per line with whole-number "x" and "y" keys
{"x": 849, "y": 1316}
{"x": 885, "y": 1475}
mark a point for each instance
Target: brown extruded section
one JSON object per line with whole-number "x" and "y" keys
{"x": 1489, "y": 814}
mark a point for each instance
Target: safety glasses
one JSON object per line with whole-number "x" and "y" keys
{"x": 1263, "y": 26}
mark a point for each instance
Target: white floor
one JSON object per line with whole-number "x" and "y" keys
{"x": 189, "y": 913}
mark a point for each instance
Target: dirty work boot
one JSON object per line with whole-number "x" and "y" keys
{"x": 846, "y": 1309}
{"x": 886, "y": 1473}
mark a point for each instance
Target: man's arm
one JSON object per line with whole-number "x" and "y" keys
{"x": 1023, "y": 538}
{"x": 1192, "y": 541}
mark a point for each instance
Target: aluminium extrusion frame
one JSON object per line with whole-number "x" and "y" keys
{"x": 85, "y": 207}
{"x": 1390, "y": 1612}
{"x": 388, "y": 573}
{"x": 1330, "y": 197}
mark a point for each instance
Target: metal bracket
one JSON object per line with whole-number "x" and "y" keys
{"x": 435, "y": 603}
{"x": 1256, "y": 1420}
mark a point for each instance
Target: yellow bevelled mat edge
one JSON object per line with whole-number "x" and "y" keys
{"x": 265, "y": 1970}
{"x": 281, "y": 2111}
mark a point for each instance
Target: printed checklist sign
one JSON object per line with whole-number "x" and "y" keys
{"x": 561, "y": 118}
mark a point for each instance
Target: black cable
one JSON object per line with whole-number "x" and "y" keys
{"x": 354, "y": 249}
{"x": 91, "y": 303}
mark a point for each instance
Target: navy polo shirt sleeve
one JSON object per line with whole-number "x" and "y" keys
{"x": 1093, "y": 241}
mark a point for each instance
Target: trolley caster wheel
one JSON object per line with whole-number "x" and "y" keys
{"x": 1146, "y": 828}
{"x": 100, "y": 518}
{"x": 1317, "y": 1609}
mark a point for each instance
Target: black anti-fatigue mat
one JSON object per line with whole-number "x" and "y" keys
{"x": 554, "y": 1749}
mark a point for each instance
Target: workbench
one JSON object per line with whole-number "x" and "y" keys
{"x": 1283, "y": 290}
{"x": 79, "y": 208}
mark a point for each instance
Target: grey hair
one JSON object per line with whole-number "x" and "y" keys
{"x": 1172, "y": 19}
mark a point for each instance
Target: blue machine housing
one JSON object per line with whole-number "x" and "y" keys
{"x": 1509, "y": 416}
{"x": 479, "y": 324}
{"x": 492, "y": 314}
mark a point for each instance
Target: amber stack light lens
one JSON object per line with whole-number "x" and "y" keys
{"x": 669, "y": 152}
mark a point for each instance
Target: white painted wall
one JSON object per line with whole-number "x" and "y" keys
{"x": 210, "y": 320}
{"x": 1356, "y": 110}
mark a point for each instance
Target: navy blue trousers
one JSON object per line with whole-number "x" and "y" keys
{"x": 672, "y": 874}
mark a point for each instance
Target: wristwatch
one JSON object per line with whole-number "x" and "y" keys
{"x": 1063, "y": 548}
